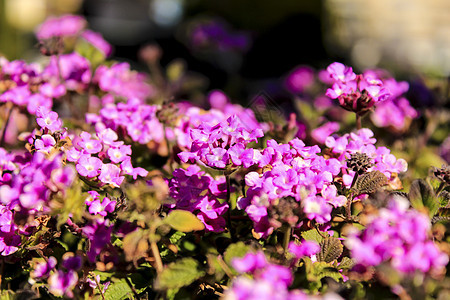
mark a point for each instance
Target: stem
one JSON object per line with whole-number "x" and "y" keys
{"x": 2, "y": 141}
{"x": 358, "y": 122}
{"x": 169, "y": 153}
{"x": 225, "y": 267}
{"x": 287, "y": 238}
{"x": 155, "y": 251}
{"x": 132, "y": 287}
{"x": 230, "y": 227}
{"x": 440, "y": 188}
{"x": 98, "y": 286}
{"x": 2, "y": 268}
{"x": 349, "y": 207}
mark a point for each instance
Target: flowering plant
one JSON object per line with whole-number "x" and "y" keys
{"x": 111, "y": 191}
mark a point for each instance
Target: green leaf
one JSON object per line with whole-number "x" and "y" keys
{"x": 318, "y": 270}
{"x": 118, "y": 290}
{"x": 346, "y": 263}
{"x": 175, "y": 70}
{"x": 421, "y": 195}
{"x": 184, "y": 221}
{"x": 179, "y": 274}
{"x": 312, "y": 235}
{"x": 236, "y": 250}
{"x": 330, "y": 249}
{"x": 139, "y": 282}
{"x": 7, "y": 295}
{"x": 72, "y": 206}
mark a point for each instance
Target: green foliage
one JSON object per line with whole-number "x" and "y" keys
{"x": 312, "y": 235}
{"x": 346, "y": 263}
{"x": 236, "y": 250}
{"x": 118, "y": 290}
{"x": 316, "y": 271}
{"x": 184, "y": 221}
{"x": 330, "y": 249}
{"x": 95, "y": 56}
{"x": 421, "y": 195}
{"x": 72, "y": 205}
{"x": 7, "y": 295}
{"x": 178, "y": 274}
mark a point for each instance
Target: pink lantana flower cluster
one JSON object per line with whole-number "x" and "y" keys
{"x": 357, "y": 93}
{"x": 399, "y": 236}
{"x": 291, "y": 170}
{"x": 363, "y": 141}
{"x": 103, "y": 158}
{"x": 197, "y": 192}
{"x": 222, "y": 145}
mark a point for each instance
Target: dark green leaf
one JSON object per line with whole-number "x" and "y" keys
{"x": 330, "y": 249}
{"x": 346, "y": 263}
{"x": 421, "y": 195}
{"x": 236, "y": 250}
{"x": 312, "y": 235}
{"x": 179, "y": 274}
{"x": 118, "y": 290}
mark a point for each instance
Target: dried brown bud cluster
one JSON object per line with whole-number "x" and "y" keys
{"x": 285, "y": 212}
{"x": 443, "y": 173}
{"x": 359, "y": 162}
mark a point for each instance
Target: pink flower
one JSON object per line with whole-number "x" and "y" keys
{"x": 97, "y": 41}
{"x": 67, "y": 25}
{"x": 89, "y": 166}
{"x": 110, "y": 174}
{"x": 48, "y": 119}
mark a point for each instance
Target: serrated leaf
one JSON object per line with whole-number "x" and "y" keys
{"x": 370, "y": 182}
{"x": 179, "y": 274}
{"x": 118, "y": 290}
{"x": 312, "y": 235}
{"x": 330, "y": 249}
{"x": 421, "y": 195}
{"x": 346, "y": 263}
{"x": 184, "y": 221}
{"x": 318, "y": 270}
{"x": 236, "y": 250}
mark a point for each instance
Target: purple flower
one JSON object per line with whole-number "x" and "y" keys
{"x": 110, "y": 174}
{"x": 97, "y": 41}
{"x": 300, "y": 79}
{"x": 306, "y": 248}
{"x": 61, "y": 283}
{"x": 66, "y": 25}
{"x": 89, "y": 166}
{"x": 48, "y": 119}
{"x": 99, "y": 235}
{"x": 399, "y": 236}
{"x": 119, "y": 154}
{"x": 71, "y": 261}
{"x": 45, "y": 143}
{"x": 340, "y": 72}
{"x": 101, "y": 207}
{"x": 42, "y": 270}
{"x": 250, "y": 262}
{"x": 9, "y": 243}
{"x": 89, "y": 145}
{"x": 317, "y": 209}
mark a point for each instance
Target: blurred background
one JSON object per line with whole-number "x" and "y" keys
{"x": 235, "y": 43}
